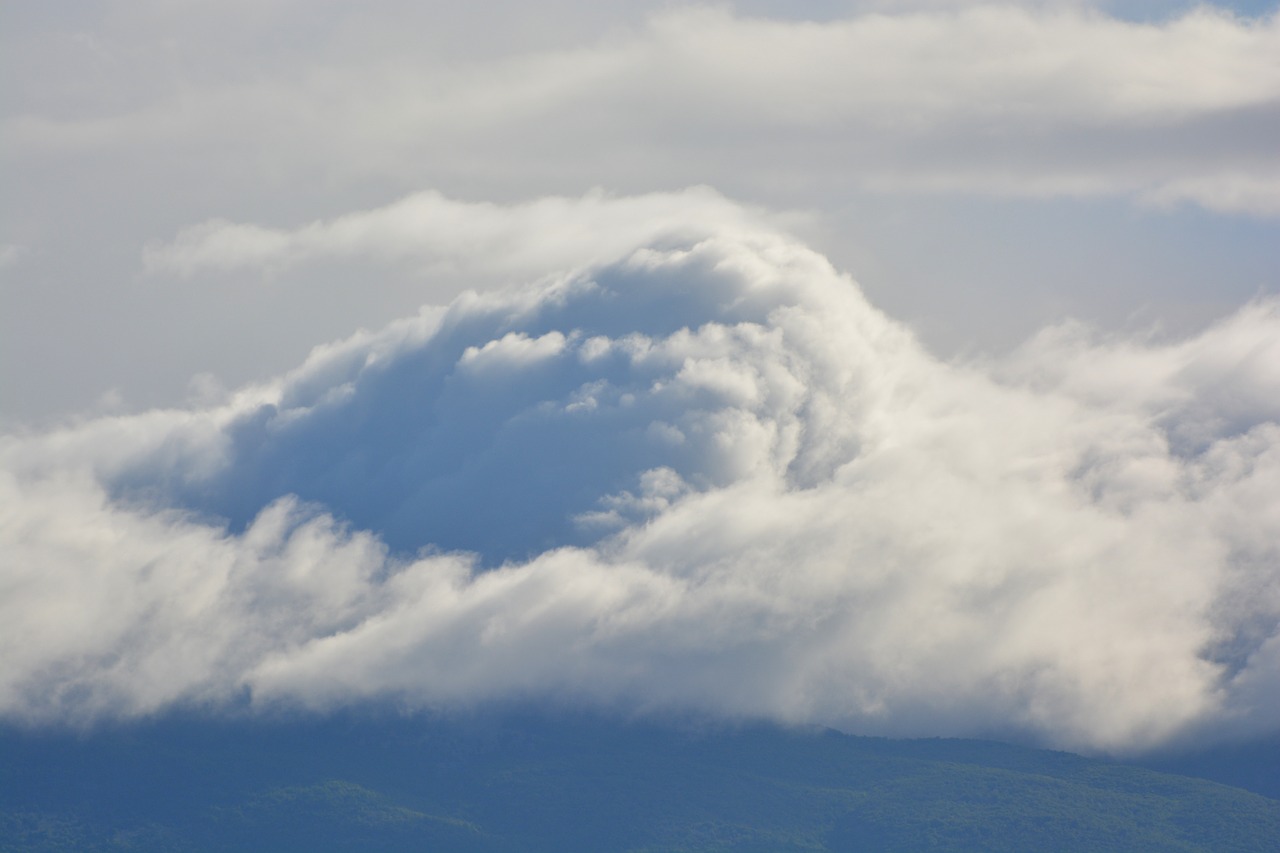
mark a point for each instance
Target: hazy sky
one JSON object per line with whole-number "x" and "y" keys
{"x": 910, "y": 367}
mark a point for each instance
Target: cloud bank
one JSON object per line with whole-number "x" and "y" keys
{"x": 1029, "y": 100}
{"x": 702, "y": 474}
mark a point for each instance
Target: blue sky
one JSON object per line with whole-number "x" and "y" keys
{"x": 905, "y": 367}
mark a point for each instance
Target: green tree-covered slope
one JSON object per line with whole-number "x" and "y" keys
{"x": 525, "y": 783}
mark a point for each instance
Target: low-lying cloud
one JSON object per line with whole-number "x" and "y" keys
{"x": 701, "y": 475}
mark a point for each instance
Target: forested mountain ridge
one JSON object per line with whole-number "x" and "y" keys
{"x": 517, "y": 783}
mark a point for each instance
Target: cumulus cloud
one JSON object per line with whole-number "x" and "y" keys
{"x": 1031, "y": 127}
{"x": 703, "y": 474}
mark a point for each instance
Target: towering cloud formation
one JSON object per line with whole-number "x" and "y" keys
{"x": 702, "y": 475}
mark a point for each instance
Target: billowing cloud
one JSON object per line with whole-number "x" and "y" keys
{"x": 938, "y": 147}
{"x": 703, "y": 474}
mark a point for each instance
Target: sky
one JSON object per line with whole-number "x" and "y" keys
{"x": 911, "y": 368}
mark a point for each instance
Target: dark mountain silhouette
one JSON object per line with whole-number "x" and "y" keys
{"x": 524, "y": 782}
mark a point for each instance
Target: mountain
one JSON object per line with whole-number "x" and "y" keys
{"x": 514, "y": 782}
{"x": 1253, "y": 764}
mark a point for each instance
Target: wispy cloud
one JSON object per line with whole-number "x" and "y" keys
{"x": 1031, "y": 100}
{"x": 703, "y": 473}
{"x": 446, "y": 235}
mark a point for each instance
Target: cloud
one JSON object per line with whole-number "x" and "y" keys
{"x": 10, "y": 254}
{"x": 983, "y": 61}
{"x": 939, "y": 148}
{"x": 1240, "y": 191}
{"x": 1027, "y": 100}
{"x": 444, "y": 235}
{"x": 703, "y": 474}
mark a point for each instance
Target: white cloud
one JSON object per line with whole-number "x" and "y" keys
{"x": 1038, "y": 99}
{"x": 446, "y": 235}
{"x": 703, "y": 474}
{"x": 1254, "y": 192}
{"x": 938, "y": 148}
{"x": 923, "y": 69}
